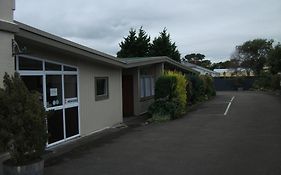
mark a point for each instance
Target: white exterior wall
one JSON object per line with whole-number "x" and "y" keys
{"x": 6, "y": 10}
{"x": 6, "y": 59}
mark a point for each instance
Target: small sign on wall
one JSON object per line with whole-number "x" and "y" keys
{"x": 71, "y": 100}
{"x": 53, "y": 92}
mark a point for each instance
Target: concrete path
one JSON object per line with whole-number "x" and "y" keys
{"x": 246, "y": 140}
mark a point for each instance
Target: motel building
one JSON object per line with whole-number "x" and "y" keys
{"x": 85, "y": 90}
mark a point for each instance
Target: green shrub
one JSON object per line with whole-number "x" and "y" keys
{"x": 210, "y": 88}
{"x": 197, "y": 90}
{"x": 22, "y": 121}
{"x": 180, "y": 93}
{"x": 165, "y": 87}
{"x": 162, "y": 107}
{"x": 189, "y": 90}
{"x": 267, "y": 81}
{"x": 170, "y": 96}
{"x": 202, "y": 88}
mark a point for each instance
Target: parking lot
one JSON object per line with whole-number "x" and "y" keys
{"x": 245, "y": 140}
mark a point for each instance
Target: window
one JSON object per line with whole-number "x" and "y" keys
{"x": 147, "y": 86}
{"x": 71, "y": 121}
{"x": 70, "y": 89}
{"x": 67, "y": 68}
{"x": 58, "y": 86}
{"x": 53, "y": 90}
{"x": 101, "y": 88}
{"x": 29, "y": 64}
{"x": 52, "y": 66}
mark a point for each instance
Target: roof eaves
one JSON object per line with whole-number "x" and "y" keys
{"x": 109, "y": 58}
{"x": 105, "y": 57}
{"x": 142, "y": 61}
{"x": 182, "y": 66}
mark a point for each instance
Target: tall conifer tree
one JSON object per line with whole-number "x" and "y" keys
{"x": 163, "y": 46}
{"x": 135, "y": 45}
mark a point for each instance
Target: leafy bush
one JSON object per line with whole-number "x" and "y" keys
{"x": 22, "y": 121}
{"x": 173, "y": 91}
{"x": 165, "y": 87}
{"x": 210, "y": 88}
{"x": 202, "y": 88}
{"x": 197, "y": 90}
{"x": 163, "y": 109}
{"x": 266, "y": 81}
{"x": 189, "y": 90}
{"x": 180, "y": 93}
{"x": 170, "y": 96}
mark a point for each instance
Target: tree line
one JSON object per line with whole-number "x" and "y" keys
{"x": 255, "y": 55}
{"x": 139, "y": 44}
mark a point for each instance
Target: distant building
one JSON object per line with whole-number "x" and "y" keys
{"x": 234, "y": 72}
{"x": 202, "y": 70}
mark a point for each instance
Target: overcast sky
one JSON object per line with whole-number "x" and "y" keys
{"x": 210, "y": 27}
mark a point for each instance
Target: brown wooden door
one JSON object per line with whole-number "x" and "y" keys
{"x": 128, "y": 95}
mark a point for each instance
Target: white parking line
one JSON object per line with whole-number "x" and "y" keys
{"x": 228, "y": 106}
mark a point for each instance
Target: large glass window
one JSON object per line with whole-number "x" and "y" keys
{"x": 52, "y": 67}
{"x": 29, "y": 64}
{"x": 34, "y": 83}
{"x": 67, "y": 68}
{"x": 101, "y": 88}
{"x": 53, "y": 90}
{"x": 58, "y": 86}
{"x": 147, "y": 86}
{"x": 71, "y": 121}
{"x": 70, "y": 86}
{"x": 55, "y": 126}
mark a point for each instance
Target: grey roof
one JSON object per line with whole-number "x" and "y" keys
{"x": 198, "y": 67}
{"x": 40, "y": 36}
{"x": 141, "y": 61}
{"x": 31, "y": 33}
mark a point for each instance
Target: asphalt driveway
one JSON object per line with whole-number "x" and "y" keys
{"x": 245, "y": 139}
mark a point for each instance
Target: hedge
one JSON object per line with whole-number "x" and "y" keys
{"x": 170, "y": 95}
{"x": 197, "y": 88}
{"x": 173, "y": 91}
{"x": 267, "y": 81}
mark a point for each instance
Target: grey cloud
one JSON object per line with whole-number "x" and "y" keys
{"x": 213, "y": 28}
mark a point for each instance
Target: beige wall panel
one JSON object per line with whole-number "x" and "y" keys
{"x": 6, "y": 58}
{"x": 97, "y": 115}
{"x": 6, "y": 10}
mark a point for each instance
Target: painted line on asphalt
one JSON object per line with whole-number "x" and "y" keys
{"x": 228, "y": 106}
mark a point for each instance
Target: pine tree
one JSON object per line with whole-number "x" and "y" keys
{"x": 163, "y": 46}
{"x": 134, "y": 45}
{"x": 128, "y": 45}
{"x": 143, "y": 44}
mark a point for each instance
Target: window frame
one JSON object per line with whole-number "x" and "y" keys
{"x": 61, "y": 72}
{"x": 143, "y": 87}
{"x": 103, "y": 96}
